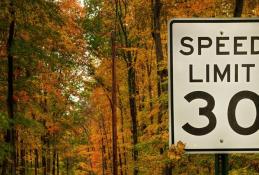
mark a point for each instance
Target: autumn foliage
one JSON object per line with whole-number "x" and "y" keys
{"x": 62, "y": 87}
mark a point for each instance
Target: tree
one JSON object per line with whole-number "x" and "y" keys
{"x": 156, "y": 6}
{"x": 10, "y": 134}
{"x": 43, "y": 46}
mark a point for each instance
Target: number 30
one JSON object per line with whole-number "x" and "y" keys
{"x": 207, "y": 111}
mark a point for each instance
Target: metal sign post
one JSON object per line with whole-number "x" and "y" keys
{"x": 221, "y": 164}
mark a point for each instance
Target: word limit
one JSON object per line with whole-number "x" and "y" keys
{"x": 228, "y": 74}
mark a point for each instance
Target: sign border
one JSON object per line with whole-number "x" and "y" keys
{"x": 171, "y": 83}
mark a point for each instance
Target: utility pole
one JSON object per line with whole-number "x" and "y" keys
{"x": 114, "y": 106}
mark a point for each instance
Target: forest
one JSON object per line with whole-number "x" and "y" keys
{"x": 70, "y": 70}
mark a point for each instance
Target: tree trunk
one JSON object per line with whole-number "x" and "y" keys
{"x": 133, "y": 112}
{"x": 108, "y": 141}
{"x": 17, "y": 151}
{"x": 104, "y": 165}
{"x": 104, "y": 162}
{"x": 120, "y": 162}
{"x": 168, "y": 169}
{"x": 140, "y": 92}
{"x": 156, "y": 6}
{"x": 131, "y": 78}
{"x": 91, "y": 166}
{"x": 48, "y": 156}
{"x": 31, "y": 162}
{"x": 148, "y": 68}
{"x": 10, "y": 134}
{"x": 4, "y": 167}
{"x": 44, "y": 167}
{"x": 67, "y": 166}
{"x": 36, "y": 162}
{"x": 54, "y": 162}
{"x": 114, "y": 107}
{"x": 10, "y": 100}
{"x": 122, "y": 131}
{"x": 57, "y": 164}
{"x": 22, "y": 169}
{"x": 1, "y": 167}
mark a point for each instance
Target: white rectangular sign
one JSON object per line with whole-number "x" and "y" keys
{"x": 214, "y": 84}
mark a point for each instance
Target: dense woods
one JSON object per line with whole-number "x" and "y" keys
{"x": 57, "y": 89}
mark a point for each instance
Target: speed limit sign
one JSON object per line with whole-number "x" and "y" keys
{"x": 214, "y": 84}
